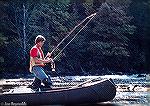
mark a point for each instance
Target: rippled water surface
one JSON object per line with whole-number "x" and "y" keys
{"x": 132, "y": 90}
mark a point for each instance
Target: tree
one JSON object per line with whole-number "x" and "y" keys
{"x": 16, "y": 22}
{"x": 140, "y": 10}
{"x": 104, "y": 40}
{"x": 25, "y": 20}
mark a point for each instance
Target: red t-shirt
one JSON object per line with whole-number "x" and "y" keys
{"x": 34, "y": 52}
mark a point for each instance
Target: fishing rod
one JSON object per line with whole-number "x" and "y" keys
{"x": 92, "y": 16}
{"x": 89, "y": 17}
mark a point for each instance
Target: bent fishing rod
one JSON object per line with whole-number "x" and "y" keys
{"x": 89, "y": 17}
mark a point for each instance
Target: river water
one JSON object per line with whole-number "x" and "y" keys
{"x": 132, "y": 90}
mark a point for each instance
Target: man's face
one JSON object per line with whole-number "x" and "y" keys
{"x": 41, "y": 43}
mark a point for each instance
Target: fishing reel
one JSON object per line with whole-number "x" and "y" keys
{"x": 52, "y": 63}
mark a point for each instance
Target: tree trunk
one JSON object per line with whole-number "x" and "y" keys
{"x": 24, "y": 30}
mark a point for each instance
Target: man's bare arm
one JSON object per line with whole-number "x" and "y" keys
{"x": 38, "y": 60}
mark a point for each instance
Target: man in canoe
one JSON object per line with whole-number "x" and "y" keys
{"x": 37, "y": 62}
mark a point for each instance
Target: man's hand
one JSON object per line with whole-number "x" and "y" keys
{"x": 48, "y": 60}
{"x": 48, "y": 54}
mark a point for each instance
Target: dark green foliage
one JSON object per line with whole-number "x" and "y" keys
{"x": 105, "y": 40}
{"x": 116, "y": 39}
{"x": 139, "y": 45}
{"x": 3, "y": 43}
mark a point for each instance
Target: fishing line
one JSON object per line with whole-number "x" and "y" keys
{"x": 93, "y": 15}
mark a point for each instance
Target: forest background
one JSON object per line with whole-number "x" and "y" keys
{"x": 115, "y": 41}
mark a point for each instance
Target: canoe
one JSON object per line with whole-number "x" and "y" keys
{"x": 95, "y": 92}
